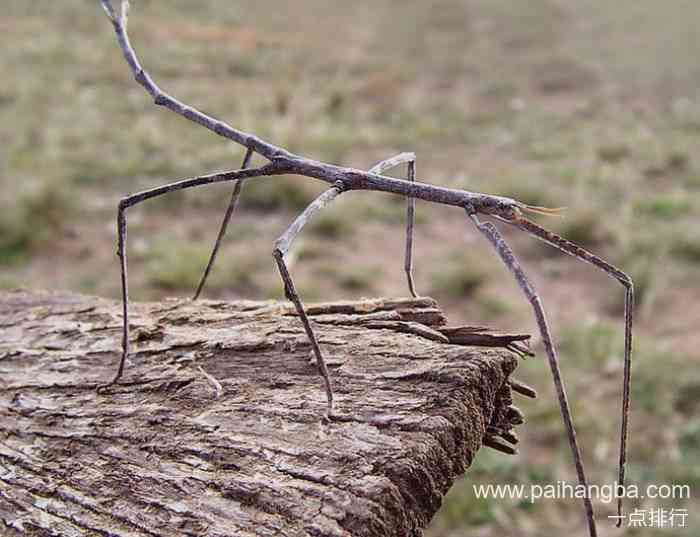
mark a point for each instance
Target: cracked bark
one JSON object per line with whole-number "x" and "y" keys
{"x": 215, "y": 429}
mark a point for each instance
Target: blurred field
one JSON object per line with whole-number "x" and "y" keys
{"x": 589, "y": 105}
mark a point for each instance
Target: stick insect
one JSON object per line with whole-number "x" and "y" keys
{"x": 342, "y": 180}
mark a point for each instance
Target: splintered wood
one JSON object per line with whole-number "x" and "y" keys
{"x": 215, "y": 428}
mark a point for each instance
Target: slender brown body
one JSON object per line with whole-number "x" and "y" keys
{"x": 344, "y": 179}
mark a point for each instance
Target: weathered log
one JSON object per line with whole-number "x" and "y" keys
{"x": 216, "y": 428}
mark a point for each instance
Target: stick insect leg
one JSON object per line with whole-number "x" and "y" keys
{"x": 281, "y": 248}
{"x": 509, "y": 259}
{"x": 576, "y": 251}
{"x": 410, "y": 218}
{"x": 222, "y": 231}
{"x": 385, "y": 165}
{"x": 135, "y": 199}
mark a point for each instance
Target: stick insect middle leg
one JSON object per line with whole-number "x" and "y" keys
{"x": 281, "y": 248}
{"x": 224, "y": 224}
{"x": 509, "y": 259}
{"x": 380, "y": 168}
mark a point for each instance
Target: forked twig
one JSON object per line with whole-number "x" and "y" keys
{"x": 344, "y": 179}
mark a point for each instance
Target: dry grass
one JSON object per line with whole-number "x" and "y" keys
{"x": 581, "y": 104}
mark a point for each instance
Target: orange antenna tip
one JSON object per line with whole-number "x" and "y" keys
{"x": 546, "y": 211}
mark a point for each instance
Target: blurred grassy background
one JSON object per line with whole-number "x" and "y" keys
{"x": 590, "y": 105}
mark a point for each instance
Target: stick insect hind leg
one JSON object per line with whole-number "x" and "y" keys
{"x": 379, "y": 169}
{"x": 281, "y": 248}
{"x": 224, "y": 224}
{"x": 135, "y": 199}
{"x": 509, "y": 259}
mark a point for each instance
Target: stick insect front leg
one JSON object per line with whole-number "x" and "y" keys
{"x": 380, "y": 168}
{"x": 509, "y": 259}
{"x": 135, "y": 199}
{"x": 224, "y": 224}
{"x": 576, "y": 251}
{"x": 281, "y": 248}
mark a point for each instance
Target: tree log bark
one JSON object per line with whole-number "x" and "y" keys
{"x": 216, "y": 428}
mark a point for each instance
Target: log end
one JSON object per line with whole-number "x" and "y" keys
{"x": 216, "y": 427}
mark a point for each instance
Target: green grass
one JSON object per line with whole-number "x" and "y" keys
{"x": 353, "y": 280}
{"x": 666, "y": 206}
{"x": 613, "y": 153}
{"x": 596, "y": 344}
{"x": 589, "y": 356}
{"x": 584, "y": 227}
{"x": 174, "y": 266}
{"x": 461, "y": 276}
{"x": 493, "y": 308}
{"x": 332, "y": 224}
{"x": 37, "y": 218}
{"x": 274, "y": 194}
{"x": 178, "y": 266}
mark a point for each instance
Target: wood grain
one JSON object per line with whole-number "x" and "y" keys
{"x": 216, "y": 427}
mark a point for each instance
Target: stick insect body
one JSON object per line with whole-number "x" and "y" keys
{"x": 344, "y": 179}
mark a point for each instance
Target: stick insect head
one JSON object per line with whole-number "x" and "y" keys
{"x": 505, "y": 208}
{"x": 509, "y": 209}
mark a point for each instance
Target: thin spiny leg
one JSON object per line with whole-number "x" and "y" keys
{"x": 410, "y": 217}
{"x": 121, "y": 253}
{"x": 627, "y": 379}
{"x": 509, "y": 259}
{"x": 135, "y": 199}
{"x": 380, "y": 168}
{"x": 222, "y": 231}
{"x": 576, "y": 251}
{"x": 281, "y": 248}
